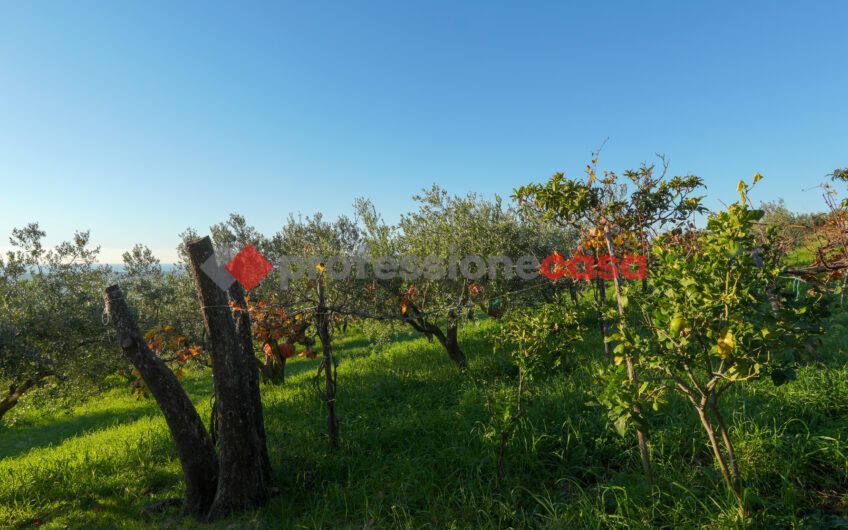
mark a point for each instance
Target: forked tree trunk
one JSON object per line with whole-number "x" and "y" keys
{"x": 237, "y": 478}
{"x": 243, "y": 457}
{"x": 194, "y": 447}
{"x": 448, "y": 339}
{"x": 730, "y": 478}
{"x": 450, "y": 343}
{"x": 728, "y": 445}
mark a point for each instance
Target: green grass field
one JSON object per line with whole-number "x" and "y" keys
{"x": 416, "y": 451}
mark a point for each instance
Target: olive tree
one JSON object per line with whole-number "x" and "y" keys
{"x": 452, "y": 255}
{"x": 50, "y": 315}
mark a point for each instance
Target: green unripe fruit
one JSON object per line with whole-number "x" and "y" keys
{"x": 675, "y": 325}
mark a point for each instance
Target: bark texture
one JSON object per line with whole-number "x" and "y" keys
{"x": 236, "y": 479}
{"x": 242, "y": 320}
{"x": 243, "y": 459}
{"x": 194, "y": 447}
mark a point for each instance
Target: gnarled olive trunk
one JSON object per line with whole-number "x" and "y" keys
{"x": 236, "y": 479}
{"x": 450, "y": 343}
{"x": 242, "y": 319}
{"x": 447, "y": 339}
{"x": 194, "y": 447}
{"x": 243, "y": 456}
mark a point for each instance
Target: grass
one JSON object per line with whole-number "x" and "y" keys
{"x": 417, "y": 450}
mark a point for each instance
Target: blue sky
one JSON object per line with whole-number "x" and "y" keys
{"x": 138, "y": 119}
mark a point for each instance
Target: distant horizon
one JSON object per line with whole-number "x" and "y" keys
{"x": 115, "y": 255}
{"x": 115, "y": 265}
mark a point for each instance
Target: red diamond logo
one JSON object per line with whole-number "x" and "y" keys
{"x": 249, "y": 267}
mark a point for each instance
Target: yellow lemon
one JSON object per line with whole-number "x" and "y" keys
{"x": 725, "y": 345}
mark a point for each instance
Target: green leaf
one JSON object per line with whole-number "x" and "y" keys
{"x": 621, "y": 426}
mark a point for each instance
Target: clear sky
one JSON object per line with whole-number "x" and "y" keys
{"x": 138, "y": 119}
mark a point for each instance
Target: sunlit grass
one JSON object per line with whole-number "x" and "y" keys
{"x": 414, "y": 451}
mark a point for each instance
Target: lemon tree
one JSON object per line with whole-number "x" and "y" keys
{"x": 707, "y": 324}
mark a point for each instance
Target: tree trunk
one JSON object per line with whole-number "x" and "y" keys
{"x": 16, "y": 391}
{"x": 572, "y": 291}
{"x": 328, "y": 365}
{"x": 631, "y": 375}
{"x": 728, "y": 445}
{"x": 243, "y": 478}
{"x": 647, "y": 255}
{"x": 242, "y": 319}
{"x": 722, "y": 464}
{"x": 273, "y": 369}
{"x": 450, "y": 343}
{"x": 194, "y": 447}
{"x": 448, "y": 340}
{"x": 605, "y": 332}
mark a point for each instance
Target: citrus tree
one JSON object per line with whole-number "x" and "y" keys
{"x": 609, "y": 221}
{"x": 706, "y": 324}
{"x": 539, "y": 339}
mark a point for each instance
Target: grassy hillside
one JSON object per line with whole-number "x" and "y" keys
{"x": 417, "y": 451}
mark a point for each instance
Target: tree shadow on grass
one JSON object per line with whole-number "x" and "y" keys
{"x": 20, "y": 439}
{"x": 14, "y": 440}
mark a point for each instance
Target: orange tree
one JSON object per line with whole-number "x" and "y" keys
{"x": 610, "y": 222}
{"x": 611, "y": 218}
